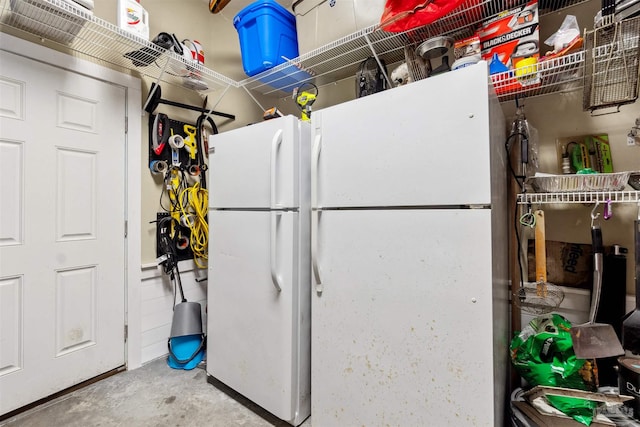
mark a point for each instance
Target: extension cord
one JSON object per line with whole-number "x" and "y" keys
{"x": 187, "y": 220}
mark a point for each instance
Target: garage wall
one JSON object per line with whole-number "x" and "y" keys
{"x": 560, "y": 115}
{"x": 554, "y": 116}
{"x": 157, "y": 294}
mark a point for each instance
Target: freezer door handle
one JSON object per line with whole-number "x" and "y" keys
{"x": 275, "y": 144}
{"x": 275, "y": 278}
{"x": 315, "y": 224}
{"x": 315, "y": 158}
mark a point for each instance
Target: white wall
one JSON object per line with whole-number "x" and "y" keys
{"x": 557, "y": 115}
{"x": 554, "y": 116}
{"x": 157, "y": 297}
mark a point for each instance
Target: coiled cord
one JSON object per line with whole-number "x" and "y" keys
{"x": 193, "y": 204}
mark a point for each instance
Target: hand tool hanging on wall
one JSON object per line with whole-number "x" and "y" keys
{"x": 541, "y": 296}
{"x": 595, "y": 340}
{"x": 631, "y": 325}
{"x": 202, "y": 138}
{"x": 160, "y": 134}
{"x": 190, "y": 141}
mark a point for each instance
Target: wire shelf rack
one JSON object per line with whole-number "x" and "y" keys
{"x": 341, "y": 58}
{"x": 71, "y": 26}
{"x": 561, "y": 74}
{"x": 580, "y": 197}
{"x": 86, "y": 35}
{"x": 612, "y": 64}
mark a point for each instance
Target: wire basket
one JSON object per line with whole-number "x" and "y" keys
{"x": 60, "y": 23}
{"x": 539, "y": 298}
{"x": 611, "y": 65}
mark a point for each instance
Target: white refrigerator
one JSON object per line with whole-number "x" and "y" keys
{"x": 259, "y": 287}
{"x": 409, "y": 257}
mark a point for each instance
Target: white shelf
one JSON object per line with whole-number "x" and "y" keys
{"x": 89, "y": 36}
{"x": 341, "y": 58}
{"x": 580, "y": 197}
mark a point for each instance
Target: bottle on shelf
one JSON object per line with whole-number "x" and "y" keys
{"x": 132, "y": 17}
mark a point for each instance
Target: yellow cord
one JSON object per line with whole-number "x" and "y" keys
{"x": 194, "y": 203}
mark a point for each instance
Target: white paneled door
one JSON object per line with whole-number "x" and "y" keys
{"x": 62, "y": 243}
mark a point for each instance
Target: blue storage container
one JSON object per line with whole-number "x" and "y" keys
{"x": 267, "y": 34}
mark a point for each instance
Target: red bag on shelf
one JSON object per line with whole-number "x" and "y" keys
{"x": 403, "y": 15}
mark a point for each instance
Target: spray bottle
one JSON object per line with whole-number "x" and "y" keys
{"x": 132, "y": 17}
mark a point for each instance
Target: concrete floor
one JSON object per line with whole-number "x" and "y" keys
{"x": 153, "y": 395}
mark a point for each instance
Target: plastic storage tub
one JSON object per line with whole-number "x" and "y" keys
{"x": 320, "y": 22}
{"x": 267, "y": 34}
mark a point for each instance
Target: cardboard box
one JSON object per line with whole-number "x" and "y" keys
{"x": 512, "y": 36}
{"x": 568, "y": 264}
{"x": 586, "y": 151}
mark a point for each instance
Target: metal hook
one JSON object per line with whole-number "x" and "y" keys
{"x": 608, "y": 211}
{"x": 594, "y": 214}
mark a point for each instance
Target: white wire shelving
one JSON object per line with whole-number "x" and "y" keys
{"x": 89, "y": 36}
{"x": 86, "y": 35}
{"x": 579, "y": 197}
{"x": 341, "y": 58}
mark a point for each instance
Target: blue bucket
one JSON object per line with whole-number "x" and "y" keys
{"x": 186, "y": 352}
{"x": 187, "y": 342}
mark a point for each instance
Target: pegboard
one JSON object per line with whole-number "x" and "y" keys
{"x": 181, "y": 254}
{"x": 164, "y": 151}
{"x": 184, "y": 158}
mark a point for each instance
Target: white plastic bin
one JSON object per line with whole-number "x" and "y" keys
{"x": 319, "y": 22}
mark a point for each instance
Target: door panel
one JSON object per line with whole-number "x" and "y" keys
{"x": 403, "y": 327}
{"x": 432, "y": 150}
{"x": 253, "y": 159}
{"x": 252, "y": 328}
{"x": 62, "y": 277}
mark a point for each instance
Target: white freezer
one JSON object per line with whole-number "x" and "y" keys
{"x": 259, "y": 166}
{"x": 259, "y": 297}
{"x": 258, "y": 337}
{"x": 426, "y": 143}
{"x": 409, "y": 256}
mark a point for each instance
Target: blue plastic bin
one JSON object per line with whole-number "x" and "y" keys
{"x": 267, "y": 34}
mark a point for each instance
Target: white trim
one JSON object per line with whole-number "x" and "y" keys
{"x": 132, "y": 85}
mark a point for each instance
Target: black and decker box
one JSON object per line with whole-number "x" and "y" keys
{"x": 510, "y": 37}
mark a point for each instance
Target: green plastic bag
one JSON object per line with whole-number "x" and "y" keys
{"x": 542, "y": 353}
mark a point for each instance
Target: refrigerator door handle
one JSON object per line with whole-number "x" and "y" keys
{"x": 315, "y": 158}
{"x": 275, "y": 144}
{"x": 315, "y": 224}
{"x": 275, "y": 278}
{"x": 315, "y": 214}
